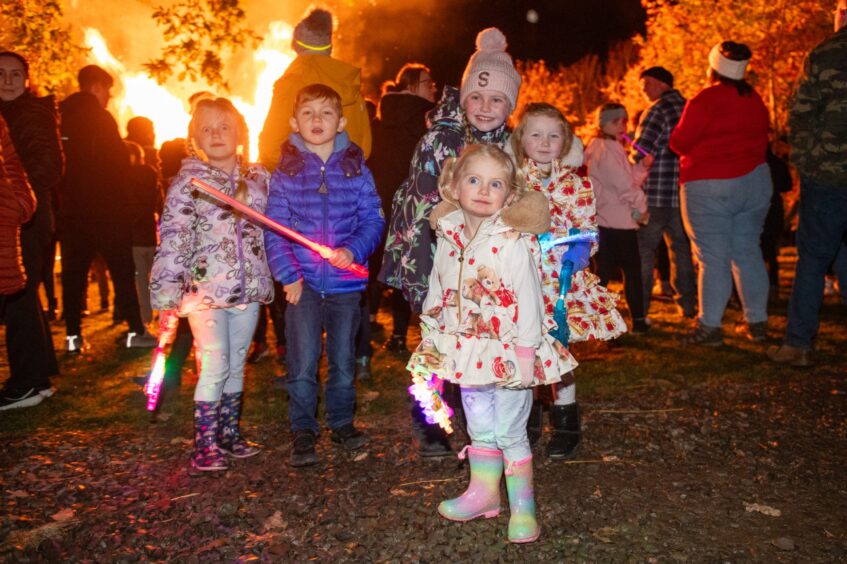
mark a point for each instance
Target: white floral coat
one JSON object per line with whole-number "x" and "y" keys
{"x": 484, "y": 299}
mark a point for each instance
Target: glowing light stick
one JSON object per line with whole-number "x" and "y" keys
{"x": 324, "y": 251}
{"x": 427, "y": 388}
{"x": 635, "y": 145}
{"x": 547, "y": 242}
{"x": 157, "y": 373}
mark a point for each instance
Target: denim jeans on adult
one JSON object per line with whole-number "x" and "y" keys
{"x": 820, "y": 236}
{"x": 339, "y": 315}
{"x": 724, "y": 218}
{"x": 223, "y": 338}
{"x": 497, "y": 419}
{"x": 667, "y": 223}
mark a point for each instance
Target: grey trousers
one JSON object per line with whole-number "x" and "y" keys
{"x": 667, "y": 223}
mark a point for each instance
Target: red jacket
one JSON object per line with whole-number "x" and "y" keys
{"x": 17, "y": 204}
{"x": 720, "y": 134}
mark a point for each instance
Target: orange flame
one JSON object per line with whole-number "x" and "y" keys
{"x": 166, "y": 106}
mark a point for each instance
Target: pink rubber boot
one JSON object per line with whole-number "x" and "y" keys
{"x": 523, "y": 526}
{"x": 482, "y": 498}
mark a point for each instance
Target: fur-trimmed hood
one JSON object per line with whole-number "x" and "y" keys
{"x": 528, "y": 214}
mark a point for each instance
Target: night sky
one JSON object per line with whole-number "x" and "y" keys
{"x": 443, "y": 37}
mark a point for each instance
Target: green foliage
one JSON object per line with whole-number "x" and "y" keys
{"x": 35, "y": 29}
{"x": 197, "y": 33}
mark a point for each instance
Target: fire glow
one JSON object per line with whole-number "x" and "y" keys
{"x": 136, "y": 94}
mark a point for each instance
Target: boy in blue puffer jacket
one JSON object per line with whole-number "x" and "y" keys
{"x": 323, "y": 190}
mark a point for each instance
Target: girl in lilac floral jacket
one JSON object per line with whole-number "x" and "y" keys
{"x": 210, "y": 266}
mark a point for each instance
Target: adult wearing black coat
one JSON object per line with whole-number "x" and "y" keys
{"x": 93, "y": 214}
{"x": 33, "y": 127}
{"x": 400, "y": 125}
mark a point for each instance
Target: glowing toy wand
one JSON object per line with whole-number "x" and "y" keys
{"x": 324, "y": 251}
{"x": 157, "y": 373}
{"x": 547, "y": 242}
{"x": 635, "y": 145}
{"x": 426, "y": 388}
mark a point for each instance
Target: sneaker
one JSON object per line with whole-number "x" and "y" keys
{"x": 14, "y": 400}
{"x": 303, "y": 449}
{"x": 73, "y": 344}
{"x": 363, "y": 368}
{"x": 792, "y": 356}
{"x": 142, "y": 341}
{"x": 258, "y": 352}
{"x": 704, "y": 336}
{"x": 46, "y": 391}
{"x": 349, "y": 437}
{"x": 756, "y": 332}
{"x": 396, "y": 344}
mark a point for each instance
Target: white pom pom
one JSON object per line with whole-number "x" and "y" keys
{"x": 491, "y": 39}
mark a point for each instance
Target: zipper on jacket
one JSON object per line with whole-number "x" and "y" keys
{"x": 242, "y": 276}
{"x": 325, "y": 234}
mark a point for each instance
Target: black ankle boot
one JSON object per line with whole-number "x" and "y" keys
{"x": 567, "y": 432}
{"x": 430, "y": 440}
{"x": 535, "y": 423}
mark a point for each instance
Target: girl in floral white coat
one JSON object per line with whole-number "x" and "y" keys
{"x": 482, "y": 327}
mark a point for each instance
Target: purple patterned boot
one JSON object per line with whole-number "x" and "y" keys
{"x": 230, "y": 440}
{"x": 523, "y": 526}
{"x": 482, "y": 498}
{"x": 207, "y": 456}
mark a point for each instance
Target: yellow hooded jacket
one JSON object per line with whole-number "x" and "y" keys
{"x": 311, "y": 69}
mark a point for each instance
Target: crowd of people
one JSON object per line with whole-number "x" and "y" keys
{"x": 488, "y": 233}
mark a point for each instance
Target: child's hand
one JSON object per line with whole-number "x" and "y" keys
{"x": 341, "y": 258}
{"x": 293, "y": 292}
{"x": 648, "y": 161}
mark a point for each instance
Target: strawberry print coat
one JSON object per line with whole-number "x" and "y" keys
{"x": 592, "y": 312}
{"x": 484, "y": 298}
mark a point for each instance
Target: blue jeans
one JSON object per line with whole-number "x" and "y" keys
{"x": 338, "y": 314}
{"x": 820, "y": 236}
{"x": 497, "y": 419}
{"x": 667, "y": 223}
{"x": 724, "y": 218}
{"x": 223, "y": 338}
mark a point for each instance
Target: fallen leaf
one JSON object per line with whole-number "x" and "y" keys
{"x": 18, "y": 493}
{"x": 361, "y": 456}
{"x": 604, "y": 534}
{"x": 63, "y": 515}
{"x": 784, "y": 543}
{"x": 275, "y": 521}
{"x": 764, "y": 509}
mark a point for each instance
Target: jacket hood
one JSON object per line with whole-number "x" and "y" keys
{"x": 402, "y": 109}
{"x": 342, "y": 77}
{"x": 529, "y": 214}
{"x": 342, "y": 141}
{"x": 80, "y": 101}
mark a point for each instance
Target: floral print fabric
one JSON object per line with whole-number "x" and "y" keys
{"x": 592, "y": 312}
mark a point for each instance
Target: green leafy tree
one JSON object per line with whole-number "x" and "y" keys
{"x": 197, "y": 33}
{"x": 36, "y": 30}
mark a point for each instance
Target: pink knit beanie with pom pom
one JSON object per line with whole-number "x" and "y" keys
{"x": 491, "y": 68}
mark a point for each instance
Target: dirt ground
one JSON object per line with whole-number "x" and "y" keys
{"x": 689, "y": 455}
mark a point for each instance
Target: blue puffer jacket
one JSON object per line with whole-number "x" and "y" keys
{"x": 333, "y": 203}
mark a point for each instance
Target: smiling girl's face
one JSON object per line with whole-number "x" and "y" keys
{"x": 216, "y": 133}
{"x": 487, "y": 109}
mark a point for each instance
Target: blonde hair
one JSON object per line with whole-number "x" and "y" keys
{"x": 242, "y": 135}
{"x": 535, "y": 109}
{"x": 454, "y": 168}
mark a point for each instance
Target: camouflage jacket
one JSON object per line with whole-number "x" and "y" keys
{"x": 818, "y": 118}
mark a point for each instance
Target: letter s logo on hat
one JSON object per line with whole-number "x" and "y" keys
{"x": 482, "y": 80}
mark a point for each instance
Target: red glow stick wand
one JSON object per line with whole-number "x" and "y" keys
{"x": 635, "y": 145}
{"x": 324, "y": 251}
{"x": 167, "y": 332}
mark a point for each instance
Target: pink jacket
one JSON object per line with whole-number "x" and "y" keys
{"x": 617, "y": 184}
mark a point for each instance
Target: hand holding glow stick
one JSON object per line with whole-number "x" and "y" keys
{"x": 324, "y": 251}
{"x": 168, "y": 321}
